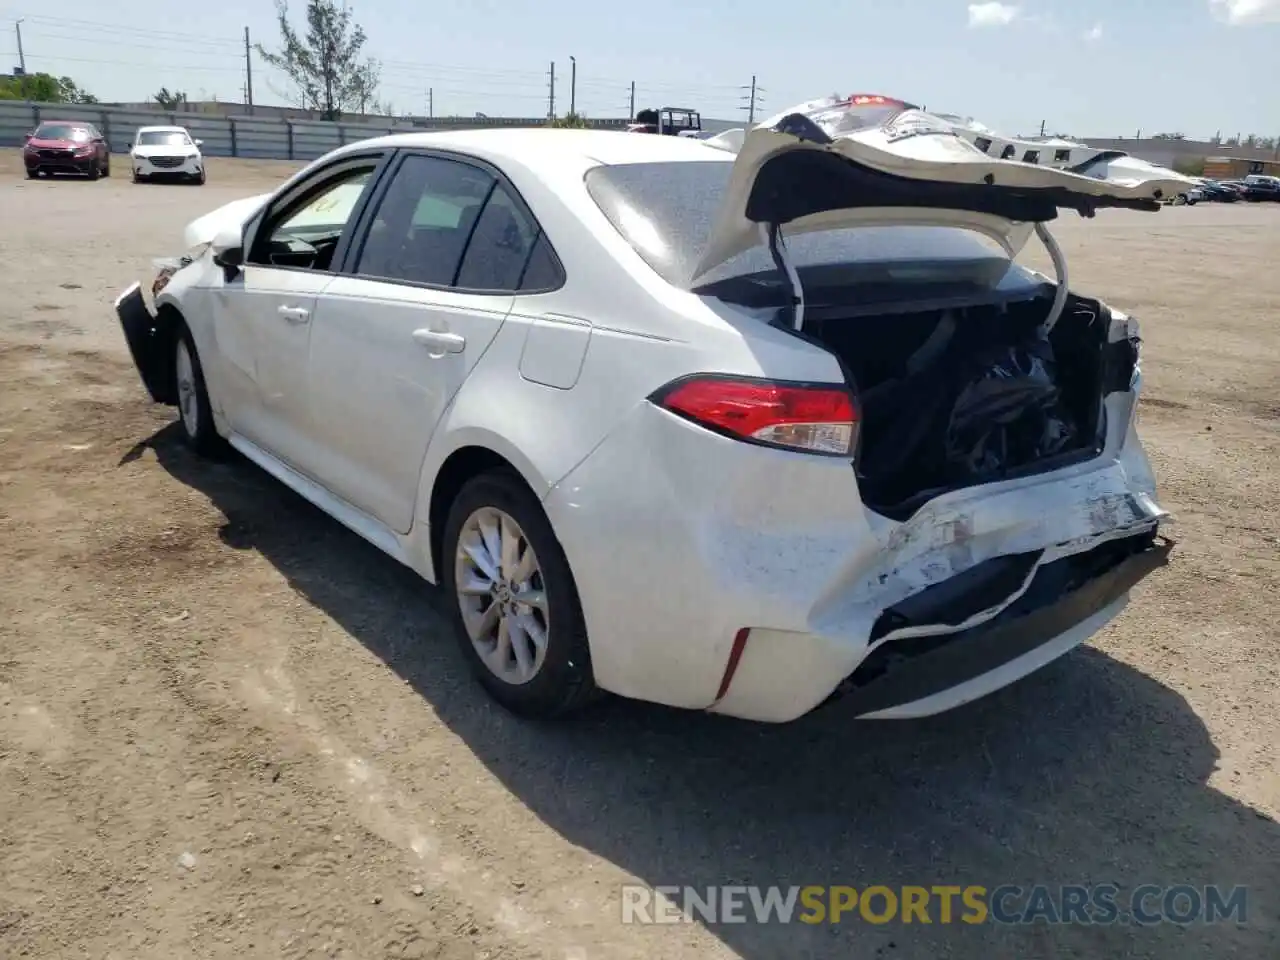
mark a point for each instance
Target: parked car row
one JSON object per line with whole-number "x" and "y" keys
{"x": 1254, "y": 188}
{"x": 73, "y": 147}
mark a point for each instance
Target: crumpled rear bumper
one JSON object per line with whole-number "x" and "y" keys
{"x": 150, "y": 341}
{"x": 902, "y": 678}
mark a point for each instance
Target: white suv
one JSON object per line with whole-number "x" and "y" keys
{"x": 166, "y": 152}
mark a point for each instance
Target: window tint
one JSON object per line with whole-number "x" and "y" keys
{"x": 424, "y": 221}
{"x": 543, "y": 271}
{"x": 499, "y": 247}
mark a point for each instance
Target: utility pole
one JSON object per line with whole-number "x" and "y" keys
{"x": 431, "y": 103}
{"x": 573, "y": 86}
{"x": 248, "y": 73}
{"x": 551, "y": 96}
{"x": 633, "y": 101}
{"x": 22, "y": 59}
{"x": 753, "y": 98}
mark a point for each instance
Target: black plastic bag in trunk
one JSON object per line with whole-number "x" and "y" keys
{"x": 972, "y": 416}
{"x": 1008, "y": 415}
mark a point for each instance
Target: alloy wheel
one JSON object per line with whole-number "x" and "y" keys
{"x": 188, "y": 398}
{"x": 501, "y": 595}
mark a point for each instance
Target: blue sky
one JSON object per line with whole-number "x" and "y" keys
{"x": 1084, "y": 67}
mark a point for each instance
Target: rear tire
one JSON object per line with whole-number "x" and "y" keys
{"x": 493, "y": 511}
{"x": 195, "y": 413}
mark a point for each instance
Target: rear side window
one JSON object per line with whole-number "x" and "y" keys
{"x": 499, "y": 246}
{"x": 424, "y": 221}
{"x": 543, "y": 271}
{"x": 448, "y": 223}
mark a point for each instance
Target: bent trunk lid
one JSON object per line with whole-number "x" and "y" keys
{"x": 836, "y": 163}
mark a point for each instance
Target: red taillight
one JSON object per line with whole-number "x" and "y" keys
{"x": 815, "y": 418}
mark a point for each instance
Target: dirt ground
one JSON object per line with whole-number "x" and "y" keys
{"x": 230, "y": 728}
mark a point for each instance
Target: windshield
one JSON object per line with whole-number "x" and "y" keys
{"x": 61, "y": 131}
{"x": 665, "y": 211}
{"x": 163, "y": 138}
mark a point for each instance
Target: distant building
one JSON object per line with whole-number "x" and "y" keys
{"x": 1235, "y": 168}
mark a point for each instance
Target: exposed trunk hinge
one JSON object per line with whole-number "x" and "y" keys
{"x": 1060, "y": 271}
{"x": 772, "y": 234}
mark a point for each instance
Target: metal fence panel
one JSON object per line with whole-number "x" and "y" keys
{"x": 265, "y": 138}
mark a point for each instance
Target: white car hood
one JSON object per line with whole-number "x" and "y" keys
{"x": 234, "y": 214}
{"x": 835, "y": 163}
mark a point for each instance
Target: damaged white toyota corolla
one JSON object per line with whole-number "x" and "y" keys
{"x": 735, "y": 425}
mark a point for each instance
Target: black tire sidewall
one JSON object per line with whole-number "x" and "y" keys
{"x": 205, "y": 441}
{"x": 565, "y": 680}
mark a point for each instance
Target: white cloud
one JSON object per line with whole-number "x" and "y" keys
{"x": 996, "y": 14}
{"x": 1241, "y": 12}
{"x": 1094, "y": 32}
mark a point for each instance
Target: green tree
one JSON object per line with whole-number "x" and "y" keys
{"x": 44, "y": 88}
{"x": 170, "y": 101}
{"x": 575, "y": 120}
{"x": 325, "y": 66}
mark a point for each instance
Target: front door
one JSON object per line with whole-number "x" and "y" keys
{"x": 393, "y": 340}
{"x": 264, "y": 316}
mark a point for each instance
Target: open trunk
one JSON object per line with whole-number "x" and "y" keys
{"x": 960, "y": 396}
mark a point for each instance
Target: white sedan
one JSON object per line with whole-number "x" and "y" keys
{"x": 736, "y": 429}
{"x": 163, "y": 152}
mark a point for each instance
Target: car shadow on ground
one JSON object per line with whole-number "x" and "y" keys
{"x": 1088, "y": 772}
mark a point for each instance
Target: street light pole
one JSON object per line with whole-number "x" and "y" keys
{"x": 22, "y": 60}
{"x": 573, "y": 86}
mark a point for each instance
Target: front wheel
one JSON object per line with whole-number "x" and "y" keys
{"x": 513, "y": 600}
{"x": 94, "y": 172}
{"x": 195, "y": 414}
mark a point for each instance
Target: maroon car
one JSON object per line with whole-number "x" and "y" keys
{"x": 67, "y": 146}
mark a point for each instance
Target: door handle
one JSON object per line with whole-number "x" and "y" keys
{"x": 295, "y": 314}
{"x": 440, "y": 340}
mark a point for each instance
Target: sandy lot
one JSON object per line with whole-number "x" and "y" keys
{"x": 229, "y": 728}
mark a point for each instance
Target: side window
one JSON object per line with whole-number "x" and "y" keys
{"x": 306, "y": 233}
{"x": 499, "y": 247}
{"x": 543, "y": 271}
{"x": 424, "y": 221}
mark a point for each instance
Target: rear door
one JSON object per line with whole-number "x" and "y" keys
{"x": 440, "y": 256}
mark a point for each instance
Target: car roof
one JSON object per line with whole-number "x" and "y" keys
{"x": 546, "y": 149}
{"x": 69, "y": 123}
{"x": 162, "y": 129}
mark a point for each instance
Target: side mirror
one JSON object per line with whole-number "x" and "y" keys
{"x": 228, "y": 251}
{"x": 26, "y": 137}
{"x": 199, "y": 143}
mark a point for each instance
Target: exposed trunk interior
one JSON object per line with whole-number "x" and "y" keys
{"x": 966, "y": 395}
